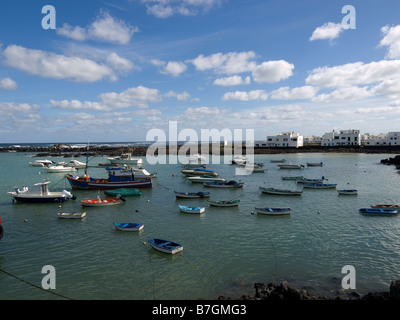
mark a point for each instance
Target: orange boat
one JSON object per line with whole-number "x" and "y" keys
{"x": 102, "y": 202}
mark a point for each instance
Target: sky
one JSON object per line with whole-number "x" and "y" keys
{"x": 111, "y": 71}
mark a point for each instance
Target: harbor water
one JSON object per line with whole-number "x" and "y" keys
{"x": 226, "y": 250}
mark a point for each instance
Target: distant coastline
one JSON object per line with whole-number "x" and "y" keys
{"x": 140, "y": 150}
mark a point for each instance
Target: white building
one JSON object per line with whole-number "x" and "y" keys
{"x": 285, "y": 139}
{"x": 342, "y": 138}
{"x": 383, "y": 139}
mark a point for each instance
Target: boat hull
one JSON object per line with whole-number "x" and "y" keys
{"x": 104, "y": 184}
{"x": 232, "y": 203}
{"x": 273, "y": 211}
{"x": 40, "y": 199}
{"x": 71, "y": 215}
{"x": 193, "y": 210}
{"x": 101, "y": 203}
{"x": 378, "y": 211}
{"x": 165, "y": 246}
{"x": 129, "y": 226}
{"x": 281, "y": 191}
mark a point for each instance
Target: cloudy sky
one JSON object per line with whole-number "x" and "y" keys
{"x": 111, "y": 71}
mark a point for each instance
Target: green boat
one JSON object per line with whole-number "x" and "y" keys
{"x": 124, "y": 192}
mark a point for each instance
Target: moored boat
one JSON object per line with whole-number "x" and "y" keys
{"x": 198, "y": 172}
{"x": 315, "y": 164}
{"x": 378, "y": 211}
{"x": 165, "y": 246}
{"x": 305, "y": 180}
{"x": 224, "y": 203}
{"x": 130, "y": 226}
{"x": 386, "y": 206}
{"x": 290, "y": 166}
{"x": 40, "y": 193}
{"x": 281, "y": 191}
{"x": 124, "y": 192}
{"x": 188, "y": 209}
{"x": 224, "y": 184}
{"x": 292, "y": 177}
{"x": 348, "y": 191}
{"x": 59, "y": 169}
{"x": 320, "y": 185}
{"x": 102, "y": 202}
{"x": 40, "y": 163}
{"x": 71, "y": 215}
{"x": 205, "y": 178}
{"x": 192, "y": 195}
{"x": 273, "y": 211}
{"x": 125, "y": 158}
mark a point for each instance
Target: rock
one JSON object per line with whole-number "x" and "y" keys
{"x": 395, "y": 290}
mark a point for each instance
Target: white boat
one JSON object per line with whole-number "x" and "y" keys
{"x": 130, "y": 226}
{"x": 165, "y": 246}
{"x": 143, "y": 173}
{"x": 59, "y": 168}
{"x": 40, "y": 193}
{"x": 188, "y": 209}
{"x": 273, "y": 211}
{"x": 290, "y": 166}
{"x": 281, "y": 191}
{"x": 76, "y": 164}
{"x": 239, "y": 160}
{"x": 198, "y": 172}
{"x": 224, "y": 203}
{"x": 205, "y": 178}
{"x": 40, "y": 163}
{"x": 125, "y": 158}
{"x": 71, "y": 215}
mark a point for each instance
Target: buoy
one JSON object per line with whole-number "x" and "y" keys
{"x": 318, "y": 212}
{"x": 59, "y": 206}
{"x": 25, "y": 220}
{"x": 173, "y": 175}
{"x": 144, "y": 242}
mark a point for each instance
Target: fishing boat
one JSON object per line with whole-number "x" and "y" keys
{"x": 188, "y": 209}
{"x": 71, "y": 215}
{"x": 378, "y": 211}
{"x": 40, "y": 193}
{"x": 348, "y": 191}
{"x": 198, "y": 172}
{"x": 224, "y": 184}
{"x": 165, "y": 246}
{"x": 192, "y": 195}
{"x": 320, "y": 185}
{"x": 290, "y": 166}
{"x": 102, "y": 202}
{"x": 386, "y": 206}
{"x": 205, "y": 178}
{"x": 292, "y": 177}
{"x": 129, "y": 226}
{"x": 117, "y": 178}
{"x": 304, "y": 180}
{"x": 124, "y": 192}
{"x": 125, "y": 158}
{"x": 315, "y": 164}
{"x": 224, "y": 203}
{"x": 281, "y": 191}
{"x": 273, "y": 211}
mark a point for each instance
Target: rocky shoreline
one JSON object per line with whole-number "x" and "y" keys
{"x": 284, "y": 292}
{"x": 142, "y": 150}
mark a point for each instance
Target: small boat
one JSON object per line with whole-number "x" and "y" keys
{"x": 229, "y": 184}
{"x": 348, "y": 191}
{"x": 71, "y": 215}
{"x": 59, "y": 168}
{"x": 290, "y": 166}
{"x": 40, "y": 163}
{"x": 40, "y": 193}
{"x": 76, "y": 164}
{"x": 292, "y": 177}
{"x": 304, "y": 180}
{"x": 198, "y": 172}
{"x": 205, "y": 178}
{"x": 143, "y": 173}
{"x": 1, "y": 230}
{"x": 165, "y": 246}
{"x": 320, "y": 185}
{"x": 281, "y": 191}
{"x": 192, "y": 195}
{"x": 125, "y": 158}
{"x": 102, "y": 202}
{"x": 315, "y": 164}
{"x": 124, "y": 192}
{"x": 239, "y": 160}
{"x": 188, "y": 209}
{"x": 378, "y": 211}
{"x": 273, "y": 211}
{"x": 224, "y": 203}
{"x": 277, "y": 160}
{"x": 386, "y": 206}
{"x": 129, "y": 226}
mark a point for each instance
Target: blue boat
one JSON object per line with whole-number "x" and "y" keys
{"x": 320, "y": 185}
{"x": 273, "y": 211}
{"x": 117, "y": 178}
{"x": 188, "y": 209}
{"x": 378, "y": 211}
{"x": 129, "y": 226}
{"x": 165, "y": 246}
{"x": 191, "y": 195}
{"x": 224, "y": 184}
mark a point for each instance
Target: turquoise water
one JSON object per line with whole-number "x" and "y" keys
{"x": 226, "y": 250}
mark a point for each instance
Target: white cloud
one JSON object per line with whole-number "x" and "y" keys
{"x": 12, "y": 108}
{"x": 8, "y": 84}
{"x": 138, "y": 97}
{"x": 119, "y": 63}
{"x": 174, "y": 68}
{"x": 232, "y": 81}
{"x": 273, "y": 71}
{"x": 392, "y": 40}
{"x": 168, "y": 8}
{"x": 179, "y": 96}
{"x": 51, "y": 65}
{"x": 285, "y": 93}
{"x": 245, "y": 96}
{"x": 329, "y": 31}
{"x": 357, "y": 73}
{"x": 229, "y": 63}
{"x": 105, "y": 28}
{"x": 344, "y": 94}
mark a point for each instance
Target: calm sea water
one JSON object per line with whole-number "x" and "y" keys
{"x": 226, "y": 250}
